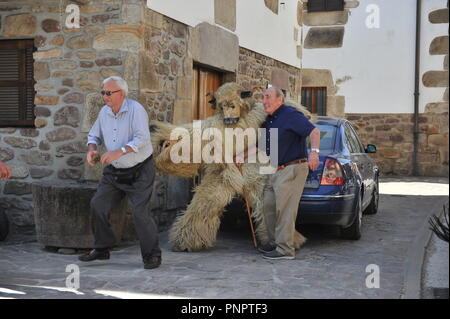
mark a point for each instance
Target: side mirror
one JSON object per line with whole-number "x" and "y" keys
{"x": 371, "y": 148}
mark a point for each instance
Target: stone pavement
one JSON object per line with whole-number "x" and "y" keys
{"x": 326, "y": 267}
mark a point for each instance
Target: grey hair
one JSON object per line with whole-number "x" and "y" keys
{"x": 121, "y": 83}
{"x": 278, "y": 92}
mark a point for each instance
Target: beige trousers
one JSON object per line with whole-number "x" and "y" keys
{"x": 282, "y": 196}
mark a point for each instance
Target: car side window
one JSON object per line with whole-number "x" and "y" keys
{"x": 352, "y": 140}
{"x": 358, "y": 140}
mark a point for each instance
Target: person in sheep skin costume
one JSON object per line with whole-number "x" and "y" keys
{"x": 197, "y": 227}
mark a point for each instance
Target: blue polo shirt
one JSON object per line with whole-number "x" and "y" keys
{"x": 293, "y": 129}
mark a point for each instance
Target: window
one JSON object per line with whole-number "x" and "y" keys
{"x": 205, "y": 83}
{"x": 16, "y": 83}
{"x": 353, "y": 140}
{"x": 325, "y": 5}
{"x": 315, "y": 99}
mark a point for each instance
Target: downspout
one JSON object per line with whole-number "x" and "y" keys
{"x": 415, "y": 163}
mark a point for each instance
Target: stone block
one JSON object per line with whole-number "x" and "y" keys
{"x": 182, "y": 112}
{"x": 64, "y": 65}
{"x": 48, "y": 54}
{"x": 19, "y": 172}
{"x": 439, "y": 45}
{"x": 73, "y": 148}
{"x": 41, "y": 71}
{"x": 316, "y": 78}
{"x": 435, "y": 79}
{"x": 17, "y": 188}
{"x": 106, "y": 73}
{"x": 92, "y": 106}
{"x": 272, "y": 5}
{"x": 299, "y": 13}
{"x": 439, "y": 107}
{"x": 225, "y": 13}
{"x": 6, "y": 154}
{"x": 78, "y": 42}
{"x": 132, "y": 14}
{"x": 117, "y": 37}
{"x": 37, "y": 158}
{"x": 59, "y": 207}
{"x": 58, "y": 40}
{"x": 326, "y": 37}
{"x": 20, "y": 25}
{"x": 86, "y": 54}
{"x": 39, "y": 122}
{"x": 50, "y": 25}
{"x": 280, "y": 78}
{"x": 74, "y": 98}
{"x": 88, "y": 80}
{"x": 438, "y": 16}
{"x": 131, "y": 75}
{"x": 68, "y": 115}
{"x": 29, "y": 132}
{"x": 215, "y": 47}
{"x": 184, "y": 87}
{"x": 20, "y": 142}
{"x": 38, "y": 172}
{"x": 336, "y": 106}
{"x": 61, "y": 134}
{"x": 148, "y": 79}
{"x": 46, "y": 100}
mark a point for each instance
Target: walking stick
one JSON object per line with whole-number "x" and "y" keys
{"x": 244, "y": 191}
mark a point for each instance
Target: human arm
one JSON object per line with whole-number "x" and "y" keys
{"x": 313, "y": 157}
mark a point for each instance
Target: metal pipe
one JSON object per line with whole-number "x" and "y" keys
{"x": 415, "y": 163}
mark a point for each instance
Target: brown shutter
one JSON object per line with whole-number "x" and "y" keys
{"x": 16, "y": 83}
{"x": 325, "y": 5}
{"x": 206, "y": 82}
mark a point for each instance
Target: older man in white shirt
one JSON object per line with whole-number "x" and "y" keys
{"x": 122, "y": 125}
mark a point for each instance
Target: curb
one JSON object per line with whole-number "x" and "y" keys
{"x": 416, "y": 255}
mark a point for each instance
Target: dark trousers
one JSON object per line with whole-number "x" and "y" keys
{"x": 109, "y": 195}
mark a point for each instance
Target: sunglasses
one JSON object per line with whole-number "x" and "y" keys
{"x": 108, "y": 93}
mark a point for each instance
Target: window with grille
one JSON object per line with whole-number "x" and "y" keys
{"x": 315, "y": 99}
{"x": 325, "y": 5}
{"x": 16, "y": 83}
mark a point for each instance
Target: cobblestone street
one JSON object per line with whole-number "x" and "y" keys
{"x": 326, "y": 267}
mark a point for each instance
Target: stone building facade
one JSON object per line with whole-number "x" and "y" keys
{"x": 152, "y": 52}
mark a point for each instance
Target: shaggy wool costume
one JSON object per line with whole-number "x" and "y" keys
{"x": 197, "y": 227}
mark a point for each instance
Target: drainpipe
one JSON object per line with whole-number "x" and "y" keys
{"x": 416, "y": 90}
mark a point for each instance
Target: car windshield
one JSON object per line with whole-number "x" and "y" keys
{"x": 327, "y": 138}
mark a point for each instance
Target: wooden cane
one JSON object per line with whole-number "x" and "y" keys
{"x": 244, "y": 192}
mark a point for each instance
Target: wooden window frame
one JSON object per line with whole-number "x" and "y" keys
{"x": 325, "y": 5}
{"x": 314, "y": 91}
{"x": 24, "y": 83}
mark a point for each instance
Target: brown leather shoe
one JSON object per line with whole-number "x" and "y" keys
{"x": 95, "y": 254}
{"x": 152, "y": 262}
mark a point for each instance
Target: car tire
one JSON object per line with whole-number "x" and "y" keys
{"x": 4, "y": 225}
{"x": 372, "y": 209}
{"x": 353, "y": 232}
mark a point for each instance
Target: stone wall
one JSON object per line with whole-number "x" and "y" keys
{"x": 154, "y": 53}
{"x": 393, "y": 136}
{"x": 69, "y": 67}
{"x": 256, "y": 71}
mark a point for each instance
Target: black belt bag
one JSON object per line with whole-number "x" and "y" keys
{"x": 125, "y": 175}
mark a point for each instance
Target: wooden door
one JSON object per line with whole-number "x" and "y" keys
{"x": 205, "y": 83}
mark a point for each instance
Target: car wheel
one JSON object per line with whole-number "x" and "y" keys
{"x": 4, "y": 225}
{"x": 354, "y": 231}
{"x": 372, "y": 209}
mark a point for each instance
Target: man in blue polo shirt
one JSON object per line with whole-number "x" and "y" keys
{"x": 284, "y": 189}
